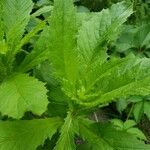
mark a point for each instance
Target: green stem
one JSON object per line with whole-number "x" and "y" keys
{"x": 129, "y": 114}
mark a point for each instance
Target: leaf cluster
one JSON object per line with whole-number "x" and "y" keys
{"x": 66, "y": 74}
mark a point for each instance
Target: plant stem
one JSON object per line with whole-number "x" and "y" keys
{"x": 129, "y": 114}
{"x": 95, "y": 116}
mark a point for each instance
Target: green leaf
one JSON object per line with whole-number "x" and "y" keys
{"x": 141, "y": 108}
{"x": 147, "y": 109}
{"x": 96, "y": 142}
{"x": 120, "y": 140}
{"x": 39, "y": 54}
{"x": 142, "y": 36}
{"x": 81, "y": 17}
{"x": 121, "y": 105}
{"x": 44, "y": 72}
{"x": 31, "y": 34}
{"x": 82, "y": 9}
{"x": 129, "y": 123}
{"x": 102, "y": 136}
{"x": 21, "y": 93}
{"x": 130, "y": 76}
{"x": 126, "y": 39}
{"x": 68, "y": 130}
{"x": 137, "y": 132}
{"x": 42, "y": 10}
{"x": 58, "y": 100}
{"x": 117, "y": 123}
{"x": 129, "y": 127}
{"x": 27, "y": 134}
{"x": 93, "y": 37}
{"x": 98, "y": 31}
{"x": 135, "y": 99}
{"x": 134, "y": 37}
{"x": 138, "y": 111}
{"x": 16, "y": 15}
{"x": 57, "y": 109}
{"x": 63, "y": 40}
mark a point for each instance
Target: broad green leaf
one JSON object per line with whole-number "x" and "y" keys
{"x": 93, "y": 37}
{"x": 98, "y": 31}
{"x": 16, "y": 15}
{"x": 102, "y": 136}
{"x": 130, "y": 78}
{"x": 102, "y": 68}
{"x": 63, "y": 40}
{"x": 21, "y": 93}
{"x": 27, "y": 134}
{"x": 68, "y": 131}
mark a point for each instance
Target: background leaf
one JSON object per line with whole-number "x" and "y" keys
{"x": 103, "y": 136}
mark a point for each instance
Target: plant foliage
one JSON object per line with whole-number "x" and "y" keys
{"x": 71, "y": 49}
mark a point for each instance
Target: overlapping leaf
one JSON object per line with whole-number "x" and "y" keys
{"x": 134, "y": 37}
{"x": 103, "y": 136}
{"x": 16, "y": 15}
{"x": 125, "y": 78}
{"x": 141, "y": 107}
{"x": 102, "y": 28}
{"x": 66, "y": 139}
{"x": 63, "y": 40}
{"x": 39, "y": 54}
{"x": 25, "y": 134}
{"x": 94, "y": 35}
{"x": 21, "y": 93}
